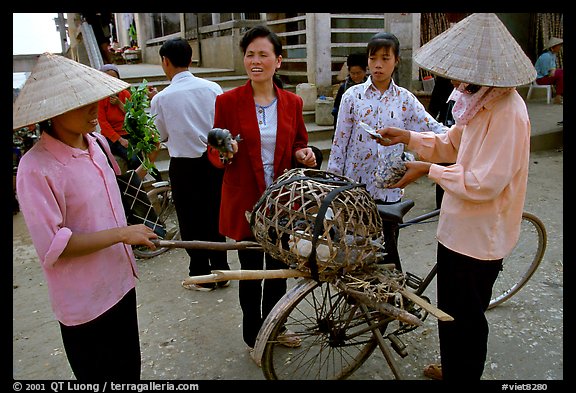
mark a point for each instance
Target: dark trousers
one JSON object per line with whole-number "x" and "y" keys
{"x": 118, "y": 150}
{"x": 391, "y": 240}
{"x": 107, "y": 348}
{"x": 258, "y": 297}
{"x": 197, "y": 190}
{"x": 464, "y": 289}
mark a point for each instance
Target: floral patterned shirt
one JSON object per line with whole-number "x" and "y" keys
{"x": 354, "y": 153}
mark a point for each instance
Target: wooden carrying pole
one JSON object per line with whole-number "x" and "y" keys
{"x": 224, "y": 275}
{"x": 441, "y": 315}
{"x": 205, "y": 245}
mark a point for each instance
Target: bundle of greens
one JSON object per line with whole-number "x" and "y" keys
{"x": 143, "y": 136}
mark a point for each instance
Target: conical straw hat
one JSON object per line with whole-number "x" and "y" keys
{"x": 478, "y": 50}
{"x": 553, "y": 42}
{"x": 57, "y": 85}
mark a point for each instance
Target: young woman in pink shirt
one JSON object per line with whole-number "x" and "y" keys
{"x": 484, "y": 190}
{"x": 72, "y": 207}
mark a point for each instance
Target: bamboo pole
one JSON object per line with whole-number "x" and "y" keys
{"x": 199, "y": 244}
{"x": 224, "y": 275}
{"x": 441, "y": 315}
{"x": 385, "y": 308}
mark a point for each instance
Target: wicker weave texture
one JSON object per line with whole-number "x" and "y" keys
{"x": 284, "y": 219}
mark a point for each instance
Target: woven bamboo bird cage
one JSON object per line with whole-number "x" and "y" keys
{"x": 318, "y": 222}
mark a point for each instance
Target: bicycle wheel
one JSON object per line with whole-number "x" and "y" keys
{"x": 336, "y": 339}
{"x": 161, "y": 199}
{"x": 519, "y": 267}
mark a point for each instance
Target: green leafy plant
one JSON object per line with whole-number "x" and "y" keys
{"x": 143, "y": 136}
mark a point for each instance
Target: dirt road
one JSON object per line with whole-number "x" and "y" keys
{"x": 187, "y": 335}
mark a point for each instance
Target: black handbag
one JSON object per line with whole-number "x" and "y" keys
{"x": 137, "y": 206}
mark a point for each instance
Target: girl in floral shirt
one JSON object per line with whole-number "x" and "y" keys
{"x": 379, "y": 103}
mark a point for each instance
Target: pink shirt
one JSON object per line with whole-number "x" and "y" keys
{"x": 486, "y": 187}
{"x": 63, "y": 190}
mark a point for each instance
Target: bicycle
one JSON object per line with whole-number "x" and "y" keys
{"x": 160, "y": 196}
{"x": 350, "y": 296}
{"x": 339, "y": 331}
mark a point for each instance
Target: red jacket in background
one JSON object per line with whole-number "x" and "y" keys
{"x": 111, "y": 117}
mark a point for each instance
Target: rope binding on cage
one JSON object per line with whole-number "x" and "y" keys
{"x": 318, "y": 225}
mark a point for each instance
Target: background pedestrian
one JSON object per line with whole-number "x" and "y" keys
{"x": 184, "y": 114}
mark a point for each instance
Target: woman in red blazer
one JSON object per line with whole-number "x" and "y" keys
{"x": 273, "y": 139}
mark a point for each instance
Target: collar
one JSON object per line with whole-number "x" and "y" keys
{"x": 368, "y": 85}
{"x": 181, "y": 75}
{"x": 508, "y": 90}
{"x": 61, "y": 151}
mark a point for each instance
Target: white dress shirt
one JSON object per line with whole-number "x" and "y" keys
{"x": 184, "y": 113}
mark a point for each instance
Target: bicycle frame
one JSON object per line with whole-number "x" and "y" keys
{"x": 334, "y": 342}
{"x": 518, "y": 266}
{"x": 392, "y": 223}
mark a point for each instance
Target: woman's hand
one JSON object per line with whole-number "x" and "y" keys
{"x": 138, "y": 234}
{"x": 123, "y": 142}
{"x": 415, "y": 170}
{"x": 392, "y": 136}
{"x": 114, "y": 100}
{"x": 81, "y": 244}
{"x": 227, "y": 156}
{"x": 306, "y": 157}
{"x": 152, "y": 91}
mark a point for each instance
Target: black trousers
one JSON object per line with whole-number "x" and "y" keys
{"x": 107, "y": 348}
{"x": 258, "y": 297}
{"x": 464, "y": 289}
{"x": 197, "y": 191}
{"x": 122, "y": 152}
{"x": 391, "y": 240}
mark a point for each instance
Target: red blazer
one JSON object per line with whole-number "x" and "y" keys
{"x": 243, "y": 182}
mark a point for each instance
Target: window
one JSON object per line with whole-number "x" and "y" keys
{"x": 164, "y": 24}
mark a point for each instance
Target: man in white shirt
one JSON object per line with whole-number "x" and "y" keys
{"x": 184, "y": 114}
